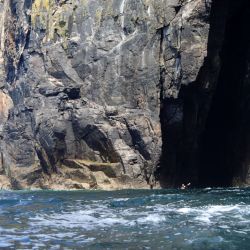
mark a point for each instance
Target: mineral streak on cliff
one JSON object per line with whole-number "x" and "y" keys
{"x": 106, "y": 94}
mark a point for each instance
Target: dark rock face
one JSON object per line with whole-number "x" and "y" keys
{"x": 86, "y": 79}
{"x": 206, "y": 129}
{"x": 184, "y": 118}
{"x": 225, "y": 142}
{"x": 115, "y": 94}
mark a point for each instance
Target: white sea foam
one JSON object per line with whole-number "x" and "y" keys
{"x": 97, "y": 218}
{"x": 240, "y": 232}
{"x": 81, "y": 219}
{"x": 121, "y": 199}
{"x": 152, "y": 218}
{"x": 204, "y": 218}
{"x": 218, "y": 209}
{"x": 185, "y": 210}
{"x": 102, "y": 216}
{"x": 5, "y": 244}
{"x": 214, "y": 213}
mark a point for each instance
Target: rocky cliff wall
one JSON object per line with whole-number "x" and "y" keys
{"x": 103, "y": 94}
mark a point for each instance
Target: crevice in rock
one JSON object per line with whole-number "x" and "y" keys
{"x": 177, "y": 8}
{"x": 137, "y": 141}
{"x": 225, "y": 141}
{"x": 170, "y": 114}
{"x": 183, "y": 118}
{"x": 161, "y": 63}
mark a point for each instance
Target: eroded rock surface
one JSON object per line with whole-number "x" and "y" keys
{"x": 83, "y": 86}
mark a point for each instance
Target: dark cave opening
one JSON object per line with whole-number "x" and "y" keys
{"x": 181, "y": 120}
{"x": 225, "y": 140}
{"x": 206, "y": 132}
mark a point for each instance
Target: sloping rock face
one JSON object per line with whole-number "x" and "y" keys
{"x": 84, "y": 84}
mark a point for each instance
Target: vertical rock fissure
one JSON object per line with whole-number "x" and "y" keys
{"x": 161, "y": 64}
{"x": 162, "y": 71}
{"x": 171, "y": 115}
{"x": 183, "y": 118}
{"x": 225, "y": 139}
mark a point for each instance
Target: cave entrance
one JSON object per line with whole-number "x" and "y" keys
{"x": 206, "y": 135}
{"x": 179, "y": 136}
{"x": 225, "y": 142}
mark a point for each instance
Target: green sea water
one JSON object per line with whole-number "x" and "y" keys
{"x": 129, "y": 219}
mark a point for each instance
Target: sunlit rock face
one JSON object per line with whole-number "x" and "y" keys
{"x": 5, "y": 105}
{"x": 88, "y": 82}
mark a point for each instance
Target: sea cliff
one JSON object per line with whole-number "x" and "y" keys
{"x": 118, "y": 94}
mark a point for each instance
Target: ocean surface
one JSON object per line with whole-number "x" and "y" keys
{"x": 129, "y": 219}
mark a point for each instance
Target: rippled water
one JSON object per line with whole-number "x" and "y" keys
{"x": 158, "y": 219}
